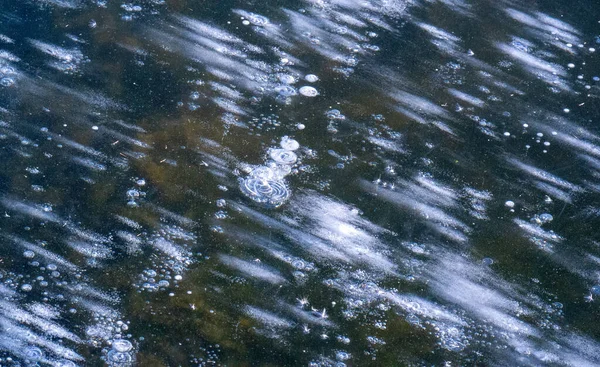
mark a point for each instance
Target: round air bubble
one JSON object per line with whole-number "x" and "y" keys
{"x": 308, "y": 91}
{"x": 119, "y": 358}
{"x": 122, "y": 345}
{"x": 289, "y": 144}
{"x": 311, "y": 78}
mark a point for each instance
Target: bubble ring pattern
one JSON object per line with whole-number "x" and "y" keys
{"x": 33, "y": 353}
{"x": 118, "y": 358}
{"x": 272, "y": 193}
{"x": 283, "y": 156}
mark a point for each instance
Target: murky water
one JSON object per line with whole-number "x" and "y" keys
{"x": 299, "y": 183}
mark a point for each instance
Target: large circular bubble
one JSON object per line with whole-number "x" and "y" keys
{"x": 33, "y": 353}
{"x": 289, "y": 144}
{"x": 272, "y": 193}
{"x": 308, "y": 91}
{"x": 122, "y": 345}
{"x": 118, "y": 358}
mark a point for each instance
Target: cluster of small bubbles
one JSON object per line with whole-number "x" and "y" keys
{"x": 210, "y": 356}
{"x": 343, "y": 339}
{"x": 334, "y": 114}
{"x": 373, "y": 340}
{"x": 33, "y": 170}
{"x": 264, "y": 123}
{"x": 308, "y": 91}
{"x": 221, "y": 214}
{"x": 378, "y": 117}
{"x": 133, "y": 195}
{"x": 153, "y": 281}
{"x": 108, "y": 327}
{"x": 131, "y": 7}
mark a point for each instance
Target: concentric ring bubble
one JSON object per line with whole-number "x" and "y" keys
{"x": 289, "y": 144}
{"x": 283, "y": 156}
{"x": 118, "y": 358}
{"x": 33, "y": 353}
{"x": 272, "y": 193}
{"x": 308, "y": 91}
{"x": 311, "y": 78}
{"x": 122, "y": 345}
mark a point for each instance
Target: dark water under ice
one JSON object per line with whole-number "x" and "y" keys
{"x": 299, "y": 183}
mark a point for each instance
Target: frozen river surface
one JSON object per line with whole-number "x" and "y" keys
{"x": 299, "y": 183}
